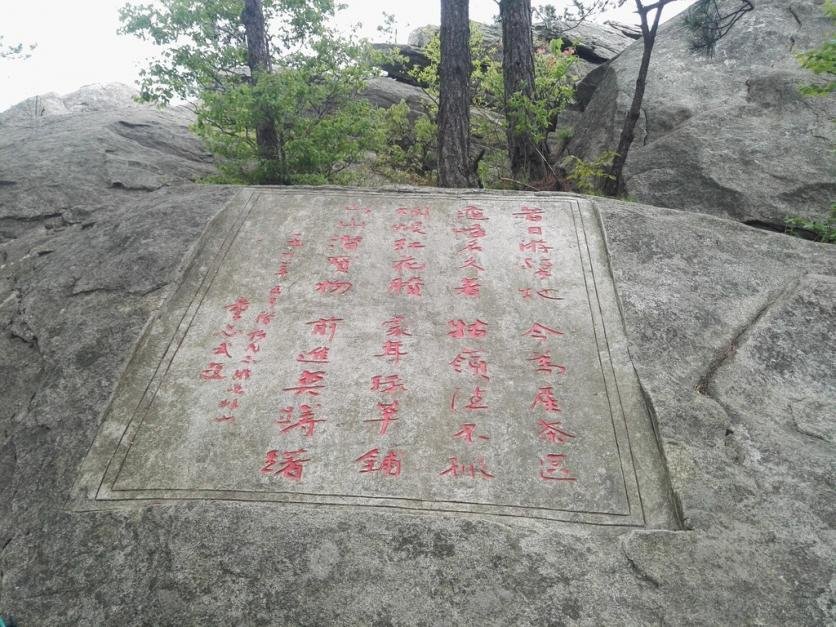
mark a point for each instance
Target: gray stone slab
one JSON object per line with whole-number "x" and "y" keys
{"x": 445, "y": 352}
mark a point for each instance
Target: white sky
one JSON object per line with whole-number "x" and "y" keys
{"x": 77, "y": 42}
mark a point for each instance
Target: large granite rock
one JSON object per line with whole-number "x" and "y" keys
{"x": 730, "y": 329}
{"x": 594, "y": 43}
{"x": 730, "y": 134}
{"x": 96, "y": 97}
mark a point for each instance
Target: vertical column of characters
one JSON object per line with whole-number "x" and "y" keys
{"x": 236, "y": 343}
{"x": 389, "y": 387}
{"x": 535, "y": 257}
{"x": 299, "y": 418}
{"x": 345, "y": 240}
{"x": 410, "y": 233}
{"x": 470, "y": 361}
{"x": 535, "y": 250}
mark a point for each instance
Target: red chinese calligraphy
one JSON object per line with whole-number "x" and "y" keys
{"x": 257, "y": 335}
{"x": 307, "y": 383}
{"x": 242, "y": 374}
{"x": 222, "y": 349}
{"x": 543, "y": 361}
{"x": 392, "y": 348}
{"x": 535, "y": 246}
{"x": 553, "y": 432}
{"x": 457, "y": 469}
{"x": 414, "y": 227}
{"x": 390, "y": 465}
{"x": 472, "y": 262}
{"x": 306, "y": 423}
{"x": 460, "y": 329}
{"x": 471, "y": 213}
{"x": 229, "y": 331}
{"x": 325, "y": 327}
{"x": 473, "y": 231}
{"x": 469, "y": 287}
{"x": 354, "y": 223}
{"x": 476, "y": 401}
{"x": 291, "y": 466}
{"x": 237, "y": 388}
{"x": 541, "y": 332}
{"x": 402, "y": 244}
{"x": 467, "y": 431}
{"x": 408, "y": 263}
{"x": 394, "y": 327}
{"x": 414, "y": 211}
{"x": 295, "y": 240}
{"x": 238, "y": 308}
{"x": 532, "y": 214}
{"x": 553, "y": 467}
{"x": 474, "y": 361}
{"x": 213, "y": 372}
{"x": 348, "y": 242}
{"x": 318, "y": 355}
{"x": 545, "y": 398}
{"x": 341, "y": 264}
{"x": 265, "y": 317}
{"x": 333, "y": 287}
{"x": 411, "y": 286}
{"x": 389, "y": 384}
{"x": 388, "y": 415}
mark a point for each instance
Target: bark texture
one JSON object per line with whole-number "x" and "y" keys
{"x": 528, "y": 157}
{"x": 614, "y": 186}
{"x": 454, "y": 165}
{"x": 258, "y": 60}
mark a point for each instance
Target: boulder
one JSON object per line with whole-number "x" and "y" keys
{"x": 383, "y": 91}
{"x": 728, "y": 134}
{"x": 97, "y": 97}
{"x": 594, "y": 43}
{"x": 730, "y": 330}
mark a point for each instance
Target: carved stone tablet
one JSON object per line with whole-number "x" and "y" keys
{"x": 451, "y": 352}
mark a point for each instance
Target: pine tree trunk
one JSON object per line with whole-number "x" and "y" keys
{"x": 258, "y": 60}
{"x": 454, "y": 166}
{"x": 614, "y": 186}
{"x": 528, "y": 158}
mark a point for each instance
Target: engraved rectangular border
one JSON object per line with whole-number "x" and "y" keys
{"x": 164, "y": 334}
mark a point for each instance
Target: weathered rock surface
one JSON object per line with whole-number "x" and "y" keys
{"x": 97, "y": 97}
{"x": 728, "y": 135}
{"x": 383, "y": 91}
{"x": 730, "y": 329}
{"x": 594, "y": 43}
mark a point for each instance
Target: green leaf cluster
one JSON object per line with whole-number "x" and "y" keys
{"x": 416, "y": 152}
{"x": 587, "y": 177}
{"x": 821, "y": 60}
{"x": 822, "y": 230}
{"x": 311, "y": 96}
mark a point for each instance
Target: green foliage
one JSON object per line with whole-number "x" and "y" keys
{"x": 823, "y": 230}
{"x": 821, "y": 60}
{"x": 311, "y": 97}
{"x": 587, "y": 177}
{"x": 553, "y": 86}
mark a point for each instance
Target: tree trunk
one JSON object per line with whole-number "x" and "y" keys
{"x": 454, "y": 166}
{"x": 258, "y": 60}
{"x": 528, "y": 158}
{"x": 615, "y": 186}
